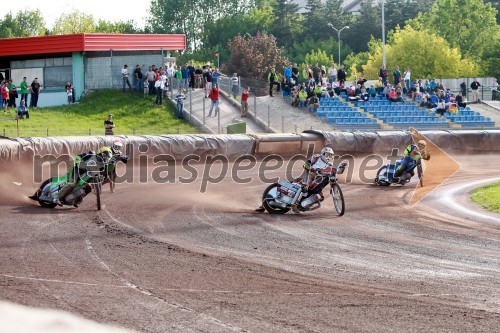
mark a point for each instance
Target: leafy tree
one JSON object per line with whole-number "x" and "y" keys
{"x": 26, "y": 23}
{"x": 120, "y": 27}
{"x": 286, "y": 22}
{"x": 252, "y": 56}
{"x": 368, "y": 23}
{"x": 314, "y": 20}
{"x": 315, "y": 56}
{"x": 300, "y": 49}
{"x": 75, "y": 22}
{"x": 428, "y": 55}
{"x": 468, "y": 25}
{"x": 397, "y": 12}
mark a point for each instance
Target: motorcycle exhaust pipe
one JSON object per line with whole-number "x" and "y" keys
{"x": 276, "y": 204}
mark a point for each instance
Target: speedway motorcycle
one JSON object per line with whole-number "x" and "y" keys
{"x": 89, "y": 173}
{"x": 279, "y": 197}
{"x": 110, "y": 174}
{"x": 385, "y": 175}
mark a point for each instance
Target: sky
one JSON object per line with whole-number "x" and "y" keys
{"x": 109, "y": 10}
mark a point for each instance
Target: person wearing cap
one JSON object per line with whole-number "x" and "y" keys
{"x": 109, "y": 125}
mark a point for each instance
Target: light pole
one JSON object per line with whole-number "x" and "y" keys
{"x": 383, "y": 34}
{"x": 338, "y": 32}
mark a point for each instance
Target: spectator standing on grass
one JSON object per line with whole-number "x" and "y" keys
{"x": 109, "y": 125}
{"x": 69, "y": 93}
{"x": 12, "y": 94}
{"x": 214, "y": 97}
{"x": 159, "y": 91}
{"x": 35, "y": 91}
{"x": 244, "y": 102}
{"x": 24, "y": 90}
{"x": 150, "y": 76}
{"x": 179, "y": 99}
{"x": 474, "y": 86}
{"x": 4, "y": 91}
{"x": 22, "y": 110}
{"x": 125, "y": 75}
{"x": 137, "y": 78}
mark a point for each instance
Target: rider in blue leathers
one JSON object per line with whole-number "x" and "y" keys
{"x": 412, "y": 154}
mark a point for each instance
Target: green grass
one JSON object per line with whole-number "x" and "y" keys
{"x": 488, "y": 197}
{"x": 132, "y": 114}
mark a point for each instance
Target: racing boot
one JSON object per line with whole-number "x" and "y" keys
{"x": 260, "y": 209}
{"x": 295, "y": 209}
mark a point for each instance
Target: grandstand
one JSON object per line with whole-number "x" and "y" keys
{"x": 379, "y": 113}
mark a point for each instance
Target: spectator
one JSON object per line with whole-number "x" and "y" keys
{"x": 170, "y": 77}
{"x": 244, "y": 102}
{"x": 198, "y": 77}
{"x": 191, "y": 70}
{"x": 393, "y": 96}
{"x": 214, "y": 97}
{"x": 463, "y": 88}
{"x": 24, "y": 91}
{"x": 313, "y": 103}
{"x": 407, "y": 77}
{"x": 207, "y": 78}
{"x": 287, "y": 73}
{"x": 316, "y": 70}
{"x": 372, "y": 92}
{"x": 125, "y": 75}
{"x": 109, "y": 125}
{"x": 137, "y": 78}
{"x": 494, "y": 89}
{"x": 35, "y": 91}
{"x": 329, "y": 90}
{"x": 215, "y": 77}
{"x": 179, "y": 99}
{"x": 159, "y": 91}
{"x": 474, "y": 86}
{"x": 146, "y": 86}
{"x": 382, "y": 73}
{"x": 302, "y": 98}
{"x": 69, "y": 93}
{"x": 235, "y": 88}
{"x": 164, "y": 81}
{"x": 178, "y": 78}
{"x": 332, "y": 73}
{"x": 460, "y": 100}
{"x": 185, "y": 77}
{"x": 4, "y": 91}
{"x": 272, "y": 78}
{"x": 150, "y": 76}
{"x": 295, "y": 73}
{"x": 22, "y": 110}
{"x": 441, "y": 107}
{"x": 341, "y": 75}
{"x": 397, "y": 76}
{"x": 12, "y": 94}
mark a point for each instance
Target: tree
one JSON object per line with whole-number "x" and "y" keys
{"x": 26, "y": 23}
{"x": 468, "y": 25}
{"x": 252, "y": 56}
{"x": 286, "y": 22}
{"x": 428, "y": 55}
{"x": 315, "y": 56}
{"x": 120, "y": 27}
{"x": 75, "y": 22}
{"x": 314, "y": 20}
{"x": 368, "y": 23}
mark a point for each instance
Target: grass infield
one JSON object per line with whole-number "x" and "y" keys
{"x": 488, "y": 196}
{"x": 132, "y": 114}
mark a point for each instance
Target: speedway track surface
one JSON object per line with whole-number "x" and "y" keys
{"x": 165, "y": 258}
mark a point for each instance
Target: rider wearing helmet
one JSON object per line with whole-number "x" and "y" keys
{"x": 74, "y": 175}
{"x": 412, "y": 153}
{"x": 116, "y": 147}
{"x": 311, "y": 167}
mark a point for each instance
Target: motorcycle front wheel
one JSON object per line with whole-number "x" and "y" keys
{"x": 270, "y": 194}
{"x": 97, "y": 191}
{"x": 338, "y": 199}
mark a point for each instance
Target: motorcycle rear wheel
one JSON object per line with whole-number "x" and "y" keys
{"x": 382, "y": 172}
{"x": 338, "y": 199}
{"x": 270, "y": 194}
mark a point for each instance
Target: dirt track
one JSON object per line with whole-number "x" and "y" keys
{"x": 165, "y": 258}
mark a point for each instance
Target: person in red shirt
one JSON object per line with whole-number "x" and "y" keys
{"x": 5, "y": 95}
{"x": 214, "y": 97}
{"x": 244, "y": 102}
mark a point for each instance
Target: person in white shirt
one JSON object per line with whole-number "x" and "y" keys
{"x": 332, "y": 73}
{"x": 125, "y": 75}
{"x": 494, "y": 89}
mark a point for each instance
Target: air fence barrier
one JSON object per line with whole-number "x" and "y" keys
{"x": 235, "y": 146}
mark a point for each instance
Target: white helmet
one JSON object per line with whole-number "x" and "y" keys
{"x": 117, "y": 146}
{"x": 327, "y": 154}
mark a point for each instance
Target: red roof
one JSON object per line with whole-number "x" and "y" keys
{"x": 90, "y": 42}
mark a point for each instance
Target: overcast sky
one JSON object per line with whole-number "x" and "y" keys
{"x": 109, "y": 10}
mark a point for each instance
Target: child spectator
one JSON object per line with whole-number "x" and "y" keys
{"x": 179, "y": 99}
{"x": 146, "y": 87}
{"x": 69, "y": 93}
